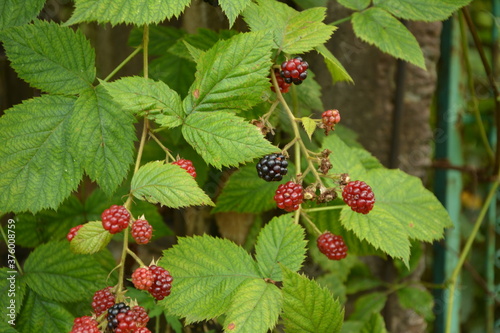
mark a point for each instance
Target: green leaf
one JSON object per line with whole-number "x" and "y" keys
{"x": 103, "y": 138}
{"x": 281, "y": 242}
{"x": 13, "y": 290}
{"x": 91, "y": 238}
{"x": 368, "y": 304}
{"x": 336, "y": 69}
{"x": 309, "y": 126}
{"x": 309, "y": 96}
{"x": 375, "y": 324}
{"x": 255, "y": 308}
{"x": 294, "y": 32}
{"x": 177, "y": 72}
{"x": 167, "y": 184}
{"x": 40, "y": 315}
{"x": 343, "y": 159}
{"x": 58, "y": 274}
{"x": 232, "y": 75}
{"x": 194, "y": 52}
{"x": 422, "y": 10}
{"x": 223, "y": 139}
{"x": 378, "y": 27}
{"x": 147, "y": 97}
{"x": 418, "y": 299}
{"x": 38, "y": 171}
{"x": 355, "y": 4}
{"x": 203, "y": 40}
{"x": 311, "y": 3}
{"x": 137, "y": 12}
{"x": 244, "y": 192}
{"x": 50, "y": 57}
{"x": 308, "y": 307}
{"x": 207, "y": 272}
{"x": 15, "y": 12}
{"x": 233, "y": 8}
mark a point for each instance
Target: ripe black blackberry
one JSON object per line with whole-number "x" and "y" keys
{"x": 272, "y": 167}
{"x": 113, "y": 312}
{"x": 294, "y": 70}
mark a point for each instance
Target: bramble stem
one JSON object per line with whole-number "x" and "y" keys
{"x": 123, "y": 63}
{"x": 345, "y": 19}
{"x": 165, "y": 149}
{"x": 304, "y": 215}
{"x": 133, "y": 255}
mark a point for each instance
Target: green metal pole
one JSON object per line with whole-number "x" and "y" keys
{"x": 448, "y": 184}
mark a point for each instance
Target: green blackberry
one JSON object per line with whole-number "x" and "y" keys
{"x": 272, "y": 167}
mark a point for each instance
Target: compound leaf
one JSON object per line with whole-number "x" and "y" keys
{"x": 255, "y": 308}
{"x": 378, "y": 27}
{"x": 138, "y": 12}
{"x": 232, "y": 75}
{"x": 207, "y": 272}
{"x": 58, "y": 274}
{"x": 50, "y": 57}
{"x": 223, "y": 139}
{"x": 233, "y": 8}
{"x": 38, "y": 170}
{"x": 103, "y": 137}
{"x": 421, "y": 10}
{"x": 308, "y": 307}
{"x": 280, "y": 242}
{"x": 91, "y": 238}
{"x": 15, "y": 12}
{"x": 336, "y": 69}
{"x": 167, "y": 184}
{"x": 147, "y": 97}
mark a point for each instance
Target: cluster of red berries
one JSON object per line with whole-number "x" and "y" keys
{"x": 294, "y": 70}
{"x": 122, "y": 319}
{"x": 103, "y": 299}
{"x": 156, "y": 280}
{"x": 329, "y": 119}
{"x": 289, "y": 196}
{"x": 115, "y": 219}
{"x": 284, "y": 87}
{"x": 332, "y": 246}
{"x": 85, "y": 324}
{"x": 186, "y": 165}
{"x": 73, "y": 231}
{"x": 359, "y": 196}
{"x": 142, "y": 231}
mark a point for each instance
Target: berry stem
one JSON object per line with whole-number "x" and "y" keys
{"x": 123, "y": 63}
{"x": 304, "y": 215}
{"x": 121, "y": 272}
{"x": 271, "y": 110}
{"x": 133, "y": 255}
{"x": 145, "y": 44}
{"x": 165, "y": 149}
{"x": 345, "y": 19}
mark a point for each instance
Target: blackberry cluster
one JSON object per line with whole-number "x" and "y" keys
{"x": 72, "y": 232}
{"x": 162, "y": 282}
{"x": 359, "y": 196}
{"x": 186, "y": 165}
{"x": 294, "y": 70}
{"x": 289, "y": 196}
{"x": 85, "y": 324}
{"x": 142, "y": 278}
{"x": 113, "y": 312}
{"x": 329, "y": 119}
{"x": 284, "y": 87}
{"x": 142, "y": 231}
{"x": 103, "y": 299}
{"x": 272, "y": 167}
{"x": 115, "y": 219}
{"x": 332, "y": 246}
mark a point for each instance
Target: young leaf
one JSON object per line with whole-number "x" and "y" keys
{"x": 58, "y": 274}
{"x": 15, "y": 12}
{"x": 281, "y": 242}
{"x": 233, "y": 8}
{"x": 38, "y": 171}
{"x": 244, "y": 192}
{"x": 255, "y": 308}
{"x": 336, "y": 69}
{"x": 355, "y": 4}
{"x": 167, "y": 184}
{"x": 40, "y": 315}
{"x": 50, "y": 57}
{"x": 207, "y": 272}
{"x": 307, "y": 307}
{"x": 103, "y": 138}
{"x": 147, "y": 97}
{"x": 232, "y": 75}
{"x": 126, "y": 11}
{"x": 378, "y": 27}
{"x": 422, "y": 10}
{"x": 309, "y": 125}
{"x": 368, "y": 304}
{"x": 91, "y": 238}
{"x": 223, "y": 139}
{"x": 294, "y": 32}
{"x": 417, "y": 299}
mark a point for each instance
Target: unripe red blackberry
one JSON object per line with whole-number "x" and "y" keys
{"x": 332, "y": 246}
{"x": 72, "y": 232}
{"x": 115, "y": 219}
{"x": 186, "y": 165}
{"x": 140, "y": 316}
{"x": 330, "y": 118}
{"x": 142, "y": 231}
{"x": 272, "y": 167}
{"x": 294, "y": 70}
{"x": 289, "y": 196}
{"x": 284, "y": 87}
{"x": 85, "y": 324}
{"x": 162, "y": 282}
{"x": 103, "y": 299}
{"x": 359, "y": 196}
{"x": 142, "y": 278}
{"x": 142, "y": 330}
